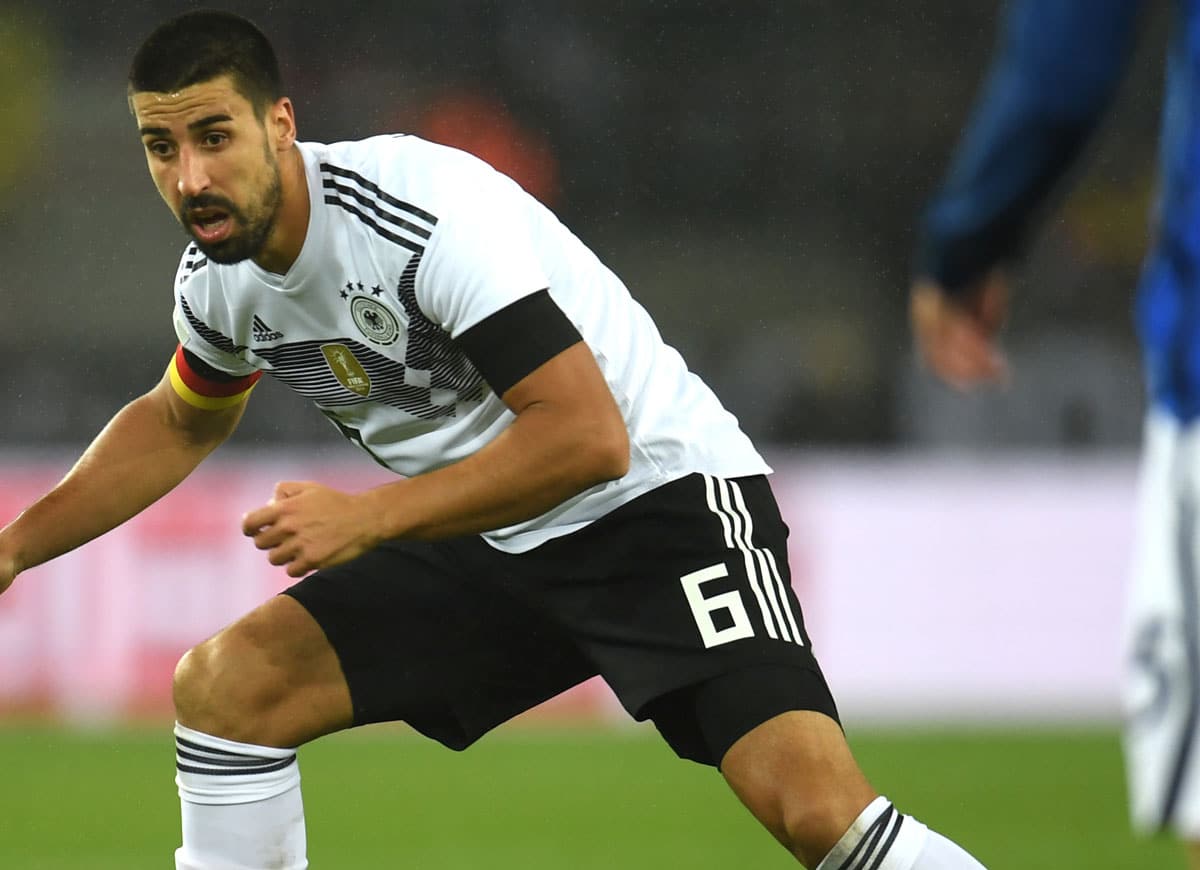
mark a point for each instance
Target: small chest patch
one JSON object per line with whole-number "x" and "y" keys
{"x": 374, "y": 320}
{"x": 346, "y": 368}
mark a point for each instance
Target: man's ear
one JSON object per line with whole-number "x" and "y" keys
{"x": 281, "y": 120}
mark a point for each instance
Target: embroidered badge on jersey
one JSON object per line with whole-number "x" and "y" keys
{"x": 347, "y": 369}
{"x": 373, "y": 319}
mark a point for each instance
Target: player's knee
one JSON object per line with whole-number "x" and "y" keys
{"x": 223, "y": 687}
{"x": 189, "y": 687}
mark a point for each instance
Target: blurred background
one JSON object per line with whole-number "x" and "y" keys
{"x": 754, "y": 171}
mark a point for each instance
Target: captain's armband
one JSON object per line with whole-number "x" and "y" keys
{"x": 203, "y": 386}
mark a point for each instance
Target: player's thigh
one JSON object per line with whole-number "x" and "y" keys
{"x": 423, "y": 636}
{"x": 270, "y": 678}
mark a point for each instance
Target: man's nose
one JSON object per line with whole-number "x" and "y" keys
{"x": 193, "y": 177}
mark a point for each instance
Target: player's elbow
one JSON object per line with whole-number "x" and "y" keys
{"x": 608, "y": 452}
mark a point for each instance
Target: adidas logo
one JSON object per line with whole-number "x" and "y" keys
{"x": 262, "y": 332}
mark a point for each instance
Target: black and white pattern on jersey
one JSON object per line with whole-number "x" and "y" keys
{"x": 390, "y": 217}
{"x": 302, "y": 366}
{"x": 218, "y": 340}
{"x": 431, "y": 356}
{"x": 431, "y": 349}
{"x": 193, "y": 262}
{"x": 427, "y": 394}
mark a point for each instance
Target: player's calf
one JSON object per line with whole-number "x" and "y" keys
{"x": 796, "y": 774}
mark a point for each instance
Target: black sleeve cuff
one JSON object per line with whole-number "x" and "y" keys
{"x": 518, "y": 338}
{"x": 208, "y": 372}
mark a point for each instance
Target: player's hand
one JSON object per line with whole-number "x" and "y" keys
{"x": 307, "y": 526}
{"x": 957, "y": 336}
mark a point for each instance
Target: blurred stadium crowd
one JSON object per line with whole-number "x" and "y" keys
{"x": 752, "y": 169}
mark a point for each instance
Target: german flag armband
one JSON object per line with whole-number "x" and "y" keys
{"x": 203, "y": 386}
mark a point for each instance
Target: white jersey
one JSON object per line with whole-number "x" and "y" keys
{"x": 409, "y": 244}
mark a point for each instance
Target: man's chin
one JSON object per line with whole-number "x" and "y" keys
{"x": 225, "y": 252}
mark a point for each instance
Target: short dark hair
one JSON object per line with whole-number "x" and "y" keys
{"x": 198, "y": 47}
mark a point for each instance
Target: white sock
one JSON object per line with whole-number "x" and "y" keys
{"x": 240, "y": 805}
{"x": 883, "y": 839}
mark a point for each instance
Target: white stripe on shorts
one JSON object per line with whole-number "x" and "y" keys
{"x": 726, "y": 501}
{"x": 767, "y": 573}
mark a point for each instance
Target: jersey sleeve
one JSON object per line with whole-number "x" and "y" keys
{"x": 1056, "y": 68}
{"x": 482, "y": 256}
{"x": 202, "y": 373}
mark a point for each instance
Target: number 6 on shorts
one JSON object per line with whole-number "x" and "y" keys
{"x": 704, "y": 608}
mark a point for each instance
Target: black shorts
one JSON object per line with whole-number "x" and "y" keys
{"x": 681, "y": 600}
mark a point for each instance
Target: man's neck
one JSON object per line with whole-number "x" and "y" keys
{"x": 291, "y": 222}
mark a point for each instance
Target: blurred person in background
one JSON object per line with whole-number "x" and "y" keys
{"x": 571, "y": 499}
{"x": 1056, "y": 69}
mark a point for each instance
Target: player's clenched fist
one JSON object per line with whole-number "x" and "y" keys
{"x": 307, "y": 526}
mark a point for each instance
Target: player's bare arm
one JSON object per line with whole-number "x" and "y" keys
{"x": 151, "y": 444}
{"x": 568, "y": 435}
{"x": 8, "y": 571}
{"x": 957, "y": 334}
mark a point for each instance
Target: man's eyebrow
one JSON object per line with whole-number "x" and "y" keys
{"x": 206, "y": 121}
{"x": 210, "y": 120}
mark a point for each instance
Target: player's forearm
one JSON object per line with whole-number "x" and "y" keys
{"x": 1055, "y": 74}
{"x": 538, "y": 463}
{"x": 137, "y": 458}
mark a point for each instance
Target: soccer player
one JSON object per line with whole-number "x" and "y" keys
{"x": 1055, "y": 71}
{"x": 570, "y": 500}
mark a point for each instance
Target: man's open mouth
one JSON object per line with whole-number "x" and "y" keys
{"x": 211, "y": 224}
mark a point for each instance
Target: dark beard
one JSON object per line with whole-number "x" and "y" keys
{"x": 250, "y": 233}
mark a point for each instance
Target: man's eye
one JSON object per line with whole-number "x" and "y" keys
{"x": 212, "y": 140}
{"x": 160, "y": 148}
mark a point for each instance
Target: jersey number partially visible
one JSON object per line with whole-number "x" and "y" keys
{"x": 703, "y": 608}
{"x": 353, "y": 435}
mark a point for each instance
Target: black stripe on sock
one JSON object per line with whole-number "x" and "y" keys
{"x": 887, "y": 844}
{"x": 198, "y": 747}
{"x": 879, "y": 830}
{"x": 240, "y": 771}
{"x": 244, "y": 761}
{"x": 869, "y": 839}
